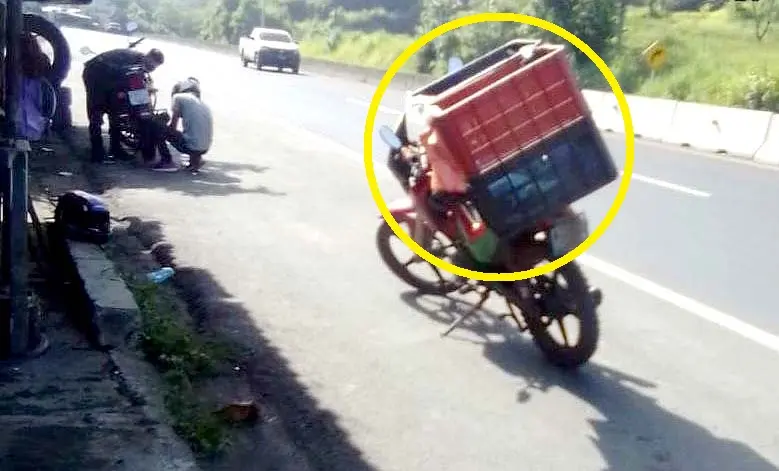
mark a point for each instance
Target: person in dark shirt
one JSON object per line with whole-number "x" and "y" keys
{"x": 101, "y": 73}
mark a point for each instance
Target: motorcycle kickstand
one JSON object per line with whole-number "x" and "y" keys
{"x": 471, "y": 287}
{"x": 512, "y": 314}
{"x": 484, "y": 296}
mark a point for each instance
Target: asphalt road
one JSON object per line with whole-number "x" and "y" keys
{"x": 284, "y": 221}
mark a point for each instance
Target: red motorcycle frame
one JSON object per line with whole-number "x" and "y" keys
{"x": 135, "y": 102}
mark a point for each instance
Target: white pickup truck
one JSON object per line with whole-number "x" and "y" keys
{"x": 270, "y": 47}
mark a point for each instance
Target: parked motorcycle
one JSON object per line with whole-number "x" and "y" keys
{"x": 134, "y": 103}
{"x": 535, "y": 304}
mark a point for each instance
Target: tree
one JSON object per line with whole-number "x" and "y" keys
{"x": 596, "y": 22}
{"x": 174, "y": 16}
{"x": 218, "y": 24}
{"x": 478, "y": 39}
{"x": 119, "y": 13}
{"x": 434, "y": 13}
{"x": 764, "y": 13}
{"x": 248, "y": 15}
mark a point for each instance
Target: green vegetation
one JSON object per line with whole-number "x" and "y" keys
{"x": 719, "y": 51}
{"x": 182, "y": 358}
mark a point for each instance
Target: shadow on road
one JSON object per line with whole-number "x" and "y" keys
{"x": 300, "y": 73}
{"x": 314, "y": 431}
{"x": 294, "y": 415}
{"x": 635, "y": 431}
{"x": 218, "y": 178}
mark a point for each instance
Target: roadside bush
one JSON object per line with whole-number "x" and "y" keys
{"x": 759, "y": 91}
{"x": 680, "y": 89}
{"x": 378, "y": 19}
{"x": 630, "y": 70}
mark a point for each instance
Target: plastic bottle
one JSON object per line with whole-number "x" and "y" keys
{"x": 161, "y": 275}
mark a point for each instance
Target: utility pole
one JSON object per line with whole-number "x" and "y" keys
{"x": 262, "y": 13}
{"x": 20, "y": 336}
{"x": 14, "y": 189}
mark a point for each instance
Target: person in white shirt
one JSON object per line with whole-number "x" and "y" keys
{"x": 196, "y": 135}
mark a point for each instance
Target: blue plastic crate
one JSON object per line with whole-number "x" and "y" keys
{"x": 538, "y": 182}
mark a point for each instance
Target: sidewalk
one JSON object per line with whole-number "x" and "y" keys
{"x": 73, "y": 408}
{"x": 66, "y": 411}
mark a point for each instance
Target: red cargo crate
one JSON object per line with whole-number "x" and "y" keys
{"x": 509, "y": 107}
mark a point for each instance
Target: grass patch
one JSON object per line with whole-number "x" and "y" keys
{"x": 182, "y": 357}
{"x": 713, "y": 56}
{"x": 374, "y": 50}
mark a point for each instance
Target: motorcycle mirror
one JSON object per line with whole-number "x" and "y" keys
{"x": 390, "y": 138}
{"x": 86, "y": 51}
{"x": 131, "y": 26}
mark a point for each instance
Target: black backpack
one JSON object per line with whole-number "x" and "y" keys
{"x": 83, "y": 217}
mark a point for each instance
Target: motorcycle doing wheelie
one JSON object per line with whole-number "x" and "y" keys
{"x": 537, "y": 305}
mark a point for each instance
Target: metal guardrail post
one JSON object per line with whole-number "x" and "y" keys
{"x": 19, "y": 256}
{"x": 5, "y": 188}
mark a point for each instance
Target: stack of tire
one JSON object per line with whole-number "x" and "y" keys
{"x": 62, "y": 119}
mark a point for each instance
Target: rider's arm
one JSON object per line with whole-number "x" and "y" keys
{"x": 175, "y": 109}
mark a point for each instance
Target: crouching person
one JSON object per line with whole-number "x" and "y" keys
{"x": 195, "y": 138}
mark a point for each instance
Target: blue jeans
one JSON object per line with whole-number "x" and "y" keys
{"x": 162, "y": 134}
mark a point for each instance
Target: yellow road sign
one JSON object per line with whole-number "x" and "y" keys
{"x": 654, "y": 55}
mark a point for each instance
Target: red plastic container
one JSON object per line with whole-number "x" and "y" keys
{"x": 508, "y": 107}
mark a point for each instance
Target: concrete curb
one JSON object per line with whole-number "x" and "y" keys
{"x": 115, "y": 318}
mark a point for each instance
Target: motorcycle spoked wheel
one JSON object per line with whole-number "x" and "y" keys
{"x": 128, "y": 137}
{"x": 439, "y": 246}
{"x": 130, "y": 141}
{"x": 561, "y": 295}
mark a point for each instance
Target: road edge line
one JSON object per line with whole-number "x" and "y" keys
{"x": 684, "y": 303}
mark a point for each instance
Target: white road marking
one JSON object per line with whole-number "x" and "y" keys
{"x": 367, "y": 104}
{"x": 670, "y": 186}
{"x": 690, "y": 305}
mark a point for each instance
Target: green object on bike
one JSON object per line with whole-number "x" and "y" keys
{"x": 482, "y": 247}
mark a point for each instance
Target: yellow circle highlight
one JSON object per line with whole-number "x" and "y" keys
{"x": 515, "y": 18}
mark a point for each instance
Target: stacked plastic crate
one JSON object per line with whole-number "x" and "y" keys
{"x": 524, "y": 133}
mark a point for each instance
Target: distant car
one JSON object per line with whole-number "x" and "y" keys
{"x": 114, "y": 28}
{"x": 266, "y": 47}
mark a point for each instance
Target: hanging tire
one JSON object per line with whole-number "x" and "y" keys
{"x": 60, "y": 66}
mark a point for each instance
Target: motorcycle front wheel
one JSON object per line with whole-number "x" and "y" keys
{"x": 560, "y": 296}
{"x": 442, "y": 284}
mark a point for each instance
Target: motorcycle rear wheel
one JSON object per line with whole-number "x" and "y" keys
{"x": 441, "y": 287}
{"x": 576, "y": 301}
{"x": 130, "y": 141}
